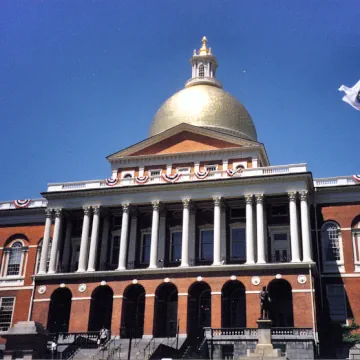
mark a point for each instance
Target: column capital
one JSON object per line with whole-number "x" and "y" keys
{"x": 48, "y": 212}
{"x": 292, "y": 195}
{"x": 217, "y": 200}
{"x": 186, "y": 203}
{"x": 58, "y": 213}
{"x": 259, "y": 198}
{"x": 125, "y": 207}
{"x": 155, "y": 205}
{"x": 304, "y": 195}
{"x": 87, "y": 210}
{"x": 249, "y": 198}
{"x": 96, "y": 210}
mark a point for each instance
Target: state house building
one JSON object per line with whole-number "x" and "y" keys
{"x": 183, "y": 234}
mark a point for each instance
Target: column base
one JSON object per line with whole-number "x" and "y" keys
{"x": 120, "y": 268}
{"x": 152, "y": 267}
{"x": 41, "y": 272}
{"x": 90, "y": 270}
{"x": 307, "y": 260}
{"x": 261, "y": 262}
{"x": 80, "y": 270}
{"x": 250, "y": 262}
{"x": 184, "y": 265}
{"x": 216, "y": 263}
{"x": 51, "y": 271}
{"x": 295, "y": 260}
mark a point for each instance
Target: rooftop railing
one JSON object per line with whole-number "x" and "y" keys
{"x": 185, "y": 177}
{"x": 335, "y": 181}
{"x": 33, "y": 203}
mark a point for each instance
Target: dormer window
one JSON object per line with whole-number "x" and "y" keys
{"x": 201, "y": 71}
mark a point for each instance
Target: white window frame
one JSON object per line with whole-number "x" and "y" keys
{"x": 273, "y": 230}
{"x": 213, "y": 173}
{"x": 113, "y": 234}
{"x": 201, "y": 230}
{"x": 337, "y": 320}
{"x": 157, "y": 178}
{"x": 127, "y": 181}
{"x": 356, "y": 246}
{"x": 173, "y": 230}
{"x": 337, "y": 265}
{"x": 237, "y": 163}
{"x": 144, "y": 232}
{"x": 6, "y": 258}
{"x": 185, "y": 175}
{"x": 237, "y": 225}
{"x": 13, "y": 309}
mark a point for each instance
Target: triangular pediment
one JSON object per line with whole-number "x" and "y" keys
{"x": 184, "y": 138}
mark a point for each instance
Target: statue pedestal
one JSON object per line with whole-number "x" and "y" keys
{"x": 264, "y": 348}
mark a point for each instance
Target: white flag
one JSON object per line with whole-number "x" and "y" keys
{"x": 352, "y": 95}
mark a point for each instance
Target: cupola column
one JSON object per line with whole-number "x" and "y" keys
{"x": 185, "y": 233}
{"x": 94, "y": 239}
{"x": 154, "y": 235}
{"x": 124, "y": 237}
{"x": 45, "y": 242}
{"x": 84, "y": 240}
{"x": 260, "y": 228}
{"x": 294, "y": 232}
{"x": 55, "y": 242}
{"x": 305, "y": 226}
{"x": 217, "y": 231}
{"x": 250, "y": 251}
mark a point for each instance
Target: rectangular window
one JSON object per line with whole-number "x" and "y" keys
{"x": 145, "y": 248}
{"x": 6, "y": 312}
{"x": 211, "y": 167}
{"x": 175, "y": 251}
{"x": 238, "y": 244}
{"x": 155, "y": 172}
{"x": 14, "y": 261}
{"x": 333, "y": 248}
{"x": 227, "y": 352}
{"x": 206, "y": 245}
{"x": 115, "y": 249}
{"x": 280, "y": 244}
{"x": 337, "y": 304}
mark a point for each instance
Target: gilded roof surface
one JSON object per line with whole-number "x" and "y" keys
{"x": 206, "y": 106}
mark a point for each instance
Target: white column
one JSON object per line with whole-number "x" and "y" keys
{"x": 55, "y": 241}
{"x": 45, "y": 242}
{"x": 223, "y": 234}
{"x": 192, "y": 236}
{"x": 154, "y": 235}
{"x": 217, "y": 231}
{"x": 132, "y": 240}
{"x": 162, "y": 238}
{"x": 84, "y": 240}
{"x": 250, "y": 253}
{"x": 94, "y": 239}
{"x": 124, "y": 237}
{"x": 185, "y": 233}
{"x": 305, "y": 226}
{"x": 104, "y": 242}
{"x": 294, "y": 233}
{"x": 67, "y": 245}
{"x": 260, "y": 228}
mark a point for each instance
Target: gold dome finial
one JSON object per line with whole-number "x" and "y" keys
{"x": 204, "y": 50}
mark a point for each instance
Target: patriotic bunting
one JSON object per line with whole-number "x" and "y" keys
{"x": 233, "y": 172}
{"x": 202, "y": 174}
{"x": 111, "y": 182}
{"x": 20, "y": 204}
{"x": 141, "y": 179}
{"x": 356, "y": 177}
{"x": 171, "y": 178}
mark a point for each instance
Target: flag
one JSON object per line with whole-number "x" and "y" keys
{"x": 352, "y": 95}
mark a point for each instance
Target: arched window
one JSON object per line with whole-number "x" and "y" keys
{"x": 201, "y": 71}
{"x": 15, "y": 259}
{"x": 355, "y": 228}
{"x": 128, "y": 176}
{"x": 332, "y": 245}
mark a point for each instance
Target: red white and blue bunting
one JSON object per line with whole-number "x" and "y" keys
{"x": 141, "y": 179}
{"x": 202, "y": 174}
{"x": 20, "y": 204}
{"x": 356, "y": 177}
{"x": 233, "y": 172}
{"x": 171, "y": 178}
{"x": 111, "y": 182}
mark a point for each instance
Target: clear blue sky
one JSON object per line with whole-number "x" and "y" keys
{"x": 80, "y": 80}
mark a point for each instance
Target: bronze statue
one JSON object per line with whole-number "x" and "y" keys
{"x": 264, "y": 304}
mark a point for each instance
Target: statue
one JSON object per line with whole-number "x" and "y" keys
{"x": 264, "y": 304}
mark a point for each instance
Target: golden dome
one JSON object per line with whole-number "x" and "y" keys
{"x": 206, "y": 106}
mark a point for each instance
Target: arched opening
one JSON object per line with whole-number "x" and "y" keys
{"x": 166, "y": 309}
{"x": 233, "y": 305}
{"x": 59, "y": 311}
{"x": 199, "y": 309}
{"x": 281, "y": 308}
{"x": 101, "y": 308}
{"x": 133, "y": 309}
{"x": 201, "y": 71}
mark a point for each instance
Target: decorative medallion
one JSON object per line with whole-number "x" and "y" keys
{"x": 166, "y": 280}
{"x": 135, "y": 281}
{"x": 82, "y": 288}
{"x": 20, "y": 204}
{"x": 255, "y": 280}
{"x": 62, "y": 285}
{"x": 233, "y": 277}
{"x": 278, "y": 276}
{"x": 42, "y": 289}
{"x": 301, "y": 279}
{"x": 103, "y": 283}
{"x": 199, "y": 278}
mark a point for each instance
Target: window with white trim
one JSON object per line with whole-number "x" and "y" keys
{"x": 356, "y": 247}
{"x": 337, "y": 302}
{"x": 6, "y": 312}
{"x": 15, "y": 259}
{"x": 175, "y": 245}
{"x": 211, "y": 167}
{"x": 115, "y": 247}
{"x": 332, "y": 246}
{"x": 145, "y": 248}
{"x": 206, "y": 244}
{"x": 201, "y": 71}
{"x": 238, "y": 242}
{"x": 155, "y": 175}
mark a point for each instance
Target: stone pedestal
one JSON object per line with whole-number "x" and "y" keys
{"x": 264, "y": 348}
{"x": 26, "y": 339}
